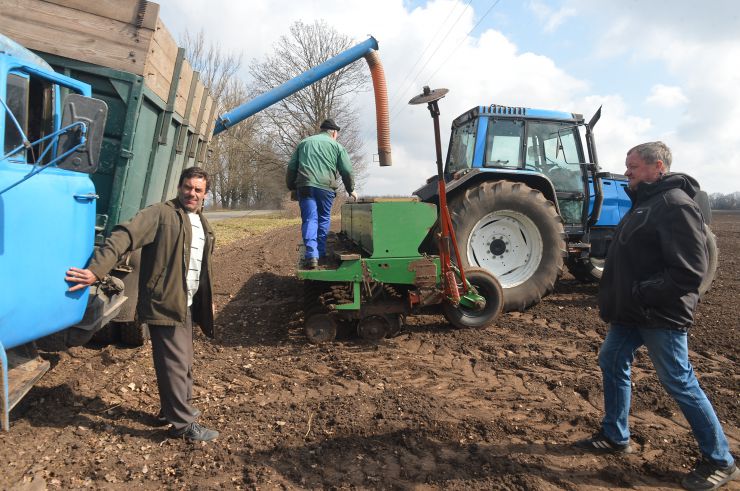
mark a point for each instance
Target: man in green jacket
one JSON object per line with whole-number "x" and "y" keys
{"x": 175, "y": 290}
{"x": 312, "y": 171}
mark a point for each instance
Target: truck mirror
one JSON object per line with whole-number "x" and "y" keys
{"x": 92, "y": 113}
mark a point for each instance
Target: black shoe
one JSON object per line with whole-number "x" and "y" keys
{"x": 162, "y": 421}
{"x": 706, "y": 476}
{"x": 310, "y": 263}
{"x": 194, "y": 433}
{"x": 601, "y": 444}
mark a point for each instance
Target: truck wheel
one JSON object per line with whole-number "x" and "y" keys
{"x": 490, "y": 289}
{"x": 133, "y": 333}
{"x": 516, "y": 234}
{"x": 713, "y": 253}
{"x": 586, "y": 270}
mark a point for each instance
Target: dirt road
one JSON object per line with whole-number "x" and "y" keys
{"x": 434, "y": 408}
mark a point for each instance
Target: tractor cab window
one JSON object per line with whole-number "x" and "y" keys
{"x": 552, "y": 148}
{"x": 503, "y": 143}
{"x": 31, "y": 100}
{"x": 462, "y": 145}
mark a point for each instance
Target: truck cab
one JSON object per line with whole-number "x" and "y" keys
{"x": 49, "y": 135}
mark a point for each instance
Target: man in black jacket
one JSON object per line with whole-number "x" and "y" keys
{"x": 648, "y": 294}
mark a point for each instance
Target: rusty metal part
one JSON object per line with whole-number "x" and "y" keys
{"x": 426, "y": 272}
{"x": 429, "y": 95}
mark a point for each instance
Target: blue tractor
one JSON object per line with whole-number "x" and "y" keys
{"x": 527, "y": 198}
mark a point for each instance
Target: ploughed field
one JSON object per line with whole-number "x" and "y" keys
{"x": 433, "y": 408}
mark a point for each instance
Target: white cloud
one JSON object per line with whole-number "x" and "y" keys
{"x": 697, "y": 48}
{"x": 666, "y": 96}
{"x": 551, "y": 18}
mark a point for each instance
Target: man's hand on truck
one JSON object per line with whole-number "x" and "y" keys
{"x": 83, "y": 278}
{"x": 353, "y": 195}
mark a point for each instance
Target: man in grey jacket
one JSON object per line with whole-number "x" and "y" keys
{"x": 175, "y": 289}
{"x": 648, "y": 294}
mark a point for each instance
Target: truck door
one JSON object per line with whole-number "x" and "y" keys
{"x": 47, "y": 221}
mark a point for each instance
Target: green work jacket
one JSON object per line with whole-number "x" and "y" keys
{"x": 163, "y": 232}
{"x": 317, "y": 162}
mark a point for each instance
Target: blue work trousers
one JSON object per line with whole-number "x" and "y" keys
{"x": 315, "y": 207}
{"x": 669, "y": 352}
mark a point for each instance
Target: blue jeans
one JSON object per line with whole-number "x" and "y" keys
{"x": 315, "y": 207}
{"x": 669, "y": 352}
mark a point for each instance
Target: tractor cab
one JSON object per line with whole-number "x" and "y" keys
{"x": 544, "y": 148}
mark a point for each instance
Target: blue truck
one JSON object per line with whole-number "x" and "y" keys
{"x": 51, "y": 134}
{"x": 528, "y": 198}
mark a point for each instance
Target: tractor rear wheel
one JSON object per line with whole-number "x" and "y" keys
{"x": 516, "y": 234}
{"x": 490, "y": 289}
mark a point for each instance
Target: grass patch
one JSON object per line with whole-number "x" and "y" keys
{"x": 232, "y": 229}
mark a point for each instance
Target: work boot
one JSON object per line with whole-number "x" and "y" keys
{"x": 600, "y": 444}
{"x": 162, "y": 421}
{"x": 707, "y": 476}
{"x": 194, "y": 433}
{"x": 310, "y": 263}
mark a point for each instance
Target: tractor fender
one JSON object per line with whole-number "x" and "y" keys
{"x": 472, "y": 177}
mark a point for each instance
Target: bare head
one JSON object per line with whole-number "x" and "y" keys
{"x": 647, "y": 162}
{"x": 192, "y": 188}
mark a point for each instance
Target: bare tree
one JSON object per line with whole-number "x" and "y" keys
{"x": 245, "y": 171}
{"x": 299, "y": 116}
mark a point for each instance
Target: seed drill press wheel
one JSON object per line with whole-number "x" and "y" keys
{"x": 373, "y": 328}
{"x": 320, "y": 327}
{"x": 489, "y": 288}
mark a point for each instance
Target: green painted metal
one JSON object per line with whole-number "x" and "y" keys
{"x": 388, "y": 228}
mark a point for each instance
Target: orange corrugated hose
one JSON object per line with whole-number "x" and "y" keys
{"x": 381, "y": 108}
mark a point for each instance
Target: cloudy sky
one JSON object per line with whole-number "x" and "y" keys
{"x": 663, "y": 70}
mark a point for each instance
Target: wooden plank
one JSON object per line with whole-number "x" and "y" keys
{"x": 183, "y": 89}
{"x": 126, "y": 11}
{"x": 75, "y": 34}
{"x": 211, "y": 122}
{"x": 195, "y": 110}
{"x": 25, "y": 372}
{"x": 160, "y": 61}
{"x": 204, "y": 121}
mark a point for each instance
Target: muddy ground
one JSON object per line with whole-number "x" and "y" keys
{"x": 433, "y": 408}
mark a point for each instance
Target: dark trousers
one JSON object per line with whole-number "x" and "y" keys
{"x": 172, "y": 349}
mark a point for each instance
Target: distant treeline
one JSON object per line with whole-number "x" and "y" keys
{"x": 720, "y": 201}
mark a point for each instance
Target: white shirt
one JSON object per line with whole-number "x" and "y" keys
{"x": 197, "y": 244}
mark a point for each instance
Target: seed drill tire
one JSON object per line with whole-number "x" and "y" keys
{"x": 475, "y": 203}
{"x": 489, "y": 288}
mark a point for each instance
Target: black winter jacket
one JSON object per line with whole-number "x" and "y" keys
{"x": 657, "y": 259}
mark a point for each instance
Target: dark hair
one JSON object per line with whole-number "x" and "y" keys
{"x": 192, "y": 172}
{"x": 651, "y": 152}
